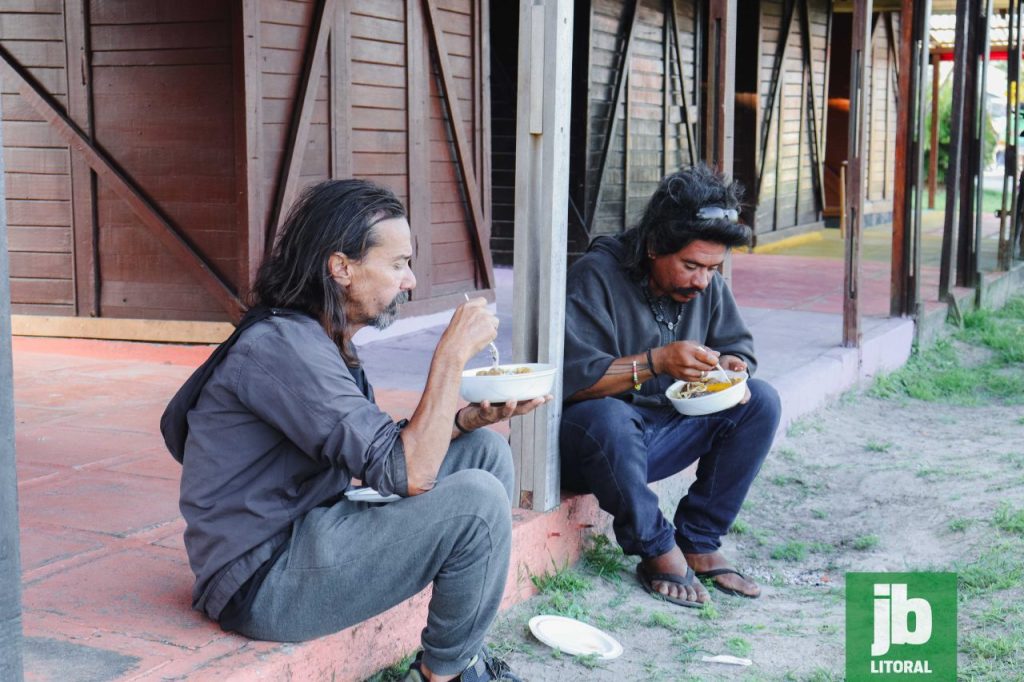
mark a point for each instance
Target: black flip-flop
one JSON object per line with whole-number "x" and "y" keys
{"x": 722, "y": 588}
{"x": 648, "y": 579}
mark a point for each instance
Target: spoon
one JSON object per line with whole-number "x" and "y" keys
{"x": 490, "y": 347}
{"x": 718, "y": 368}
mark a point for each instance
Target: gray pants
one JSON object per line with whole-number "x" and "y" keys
{"x": 348, "y": 562}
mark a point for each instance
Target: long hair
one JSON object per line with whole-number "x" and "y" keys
{"x": 670, "y": 221}
{"x": 332, "y": 216}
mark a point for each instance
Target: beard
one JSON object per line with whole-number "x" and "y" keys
{"x": 386, "y": 317}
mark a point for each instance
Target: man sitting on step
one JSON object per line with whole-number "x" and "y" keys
{"x": 273, "y": 428}
{"x": 644, "y": 309}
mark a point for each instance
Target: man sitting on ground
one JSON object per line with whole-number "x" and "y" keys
{"x": 644, "y": 309}
{"x": 275, "y": 426}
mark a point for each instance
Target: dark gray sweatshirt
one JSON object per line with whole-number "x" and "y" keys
{"x": 607, "y": 316}
{"x": 281, "y": 427}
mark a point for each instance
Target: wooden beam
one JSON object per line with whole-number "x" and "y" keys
{"x": 906, "y": 212}
{"x": 856, "y": 178}
{"x": 302, "y": 114}
{"x": 418, "y": 75}
{"x": 620, "y": 81}
{"x": 248, "y": 102}
{"x": 84, "y": 228}
{"x": 161, "y": 227}
{"x": 721, "y": 87}
{"x": 151, "y": 331}
{"x": 541, "y": 227}
{"x": 666, "y": 82}
{"x": 340, "y": 87}
{"x": 687, "y": 121}
{"x": 464, "y": 155}
{"x": 933, "y": 145}
{"x": 812, "y": 111}
{"x": 773, "y": 89}
{"x": 965, "y": 20}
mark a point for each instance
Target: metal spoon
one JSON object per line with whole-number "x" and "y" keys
{"x": 490, "y": 347}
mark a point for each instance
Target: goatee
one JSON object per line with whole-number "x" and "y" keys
{"x": 387, "y": 316}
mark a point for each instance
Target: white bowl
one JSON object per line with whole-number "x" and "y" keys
{"x": 708, "y": 403}
{"x": 504, "y": 387}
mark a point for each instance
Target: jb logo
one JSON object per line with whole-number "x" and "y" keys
{"x": 900, "y": 625}
{"x": 892, "y": 618}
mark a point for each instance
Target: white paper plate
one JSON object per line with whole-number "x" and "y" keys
{"x": 369, "y": 495}
{"x": 573, "y": 637}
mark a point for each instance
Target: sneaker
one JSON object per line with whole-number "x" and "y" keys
{"x": 482, "y": 667}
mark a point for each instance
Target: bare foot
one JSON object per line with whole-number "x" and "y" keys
{"x": 673, "y": 562}
{"x": 701, "y": 563}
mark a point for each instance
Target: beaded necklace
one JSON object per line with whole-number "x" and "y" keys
{"x": 658, "y": 308}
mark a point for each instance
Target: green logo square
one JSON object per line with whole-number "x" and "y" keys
{"x": 900, "y": 626}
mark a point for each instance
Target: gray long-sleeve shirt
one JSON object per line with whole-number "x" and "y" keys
{"x": 607, "y": 316}
{"x": 281, "y": 427}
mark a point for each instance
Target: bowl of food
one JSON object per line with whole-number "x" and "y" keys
{"x": 711, "y": 394}
{"x": 524, "y": 381}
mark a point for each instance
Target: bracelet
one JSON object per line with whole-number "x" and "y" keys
{"x": 457, "y": 424}
{"x": 636, "y": 378}
{"x": 650, "y": 363}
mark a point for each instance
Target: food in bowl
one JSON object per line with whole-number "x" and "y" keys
{"x": 695, "y": 398}
{"x": 524, "y": 381}
{"x": 500, "y": 371}
{"x": 696, "y": 389}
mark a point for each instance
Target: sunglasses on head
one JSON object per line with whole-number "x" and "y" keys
{"x": 718, "y": 213}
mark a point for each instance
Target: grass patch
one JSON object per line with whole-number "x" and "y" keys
{"x": 864, "y": 542}
{"x": 738, "y": 646}
{"x": 998, "y": 568}
{"x": 562, "y": 593}
{"x": 739, "y": 527}
{"x": 791, "y": 551}
{"x": 819, "y": 514}
{"x": 938, "y": 373}
{"x": 960, "y": 525}
{"x": 393, "y": 673}
{"x": 604, "y": 558}
{"x": 875, "y": 446}
{"x": 666, "y": 621}
{"x": 1009, "y": 519}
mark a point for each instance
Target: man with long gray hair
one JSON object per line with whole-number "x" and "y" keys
{"x": 274, "y": 427}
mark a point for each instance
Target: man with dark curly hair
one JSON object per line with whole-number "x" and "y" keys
{"x": 644, "y": 309}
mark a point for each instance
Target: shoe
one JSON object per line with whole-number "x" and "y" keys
{"x": 481, "y": 668}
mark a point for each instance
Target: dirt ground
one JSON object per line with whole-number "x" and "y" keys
{"x": 865, "y": 484}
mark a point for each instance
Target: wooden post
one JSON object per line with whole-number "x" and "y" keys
{"x": 972, "y": 255}
{"x": 721, "y": 93}
{"x": 1007, "y": 218}
{"x": 249, "y": 136}
{"x": 933, "y": 156}
{"x": 971, "y": 142}
{"x": 543, "y": 115}
{"x": 842, "y": 198}
{"x": 964, "y": 23}
{"x": 11, "y": 667}
{"x": 906, "y": 210}
{"x": 1009, "y": 161}
{"x": 83, "y": 180}
{"x": 860, "y": 46}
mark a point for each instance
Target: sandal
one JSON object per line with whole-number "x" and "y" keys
{"x": 713, "y": 573}
{"x": 648, "y": 579}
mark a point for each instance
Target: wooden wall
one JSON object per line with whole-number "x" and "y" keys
{"x": 162, "y": 106}
{"x": 787, "y": 197}
{"x": 649, "y": 138}
{"x": 38, "y": 165}
{"x": 203, "y": 105}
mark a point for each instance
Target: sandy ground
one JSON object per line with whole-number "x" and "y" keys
{"x": 866, "y": 484}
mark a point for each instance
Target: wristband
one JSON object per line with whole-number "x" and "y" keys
{"x": 636, "y": 378}
{"x": 650, "y": 363}
{"x": 457, "y": 424}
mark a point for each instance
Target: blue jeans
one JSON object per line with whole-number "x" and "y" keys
{"x": 614, "y": 449}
